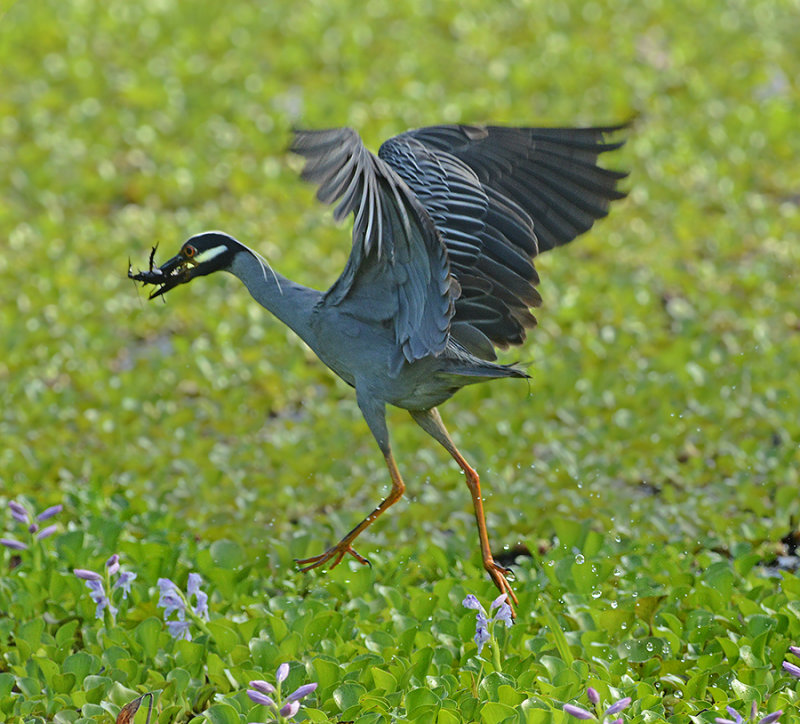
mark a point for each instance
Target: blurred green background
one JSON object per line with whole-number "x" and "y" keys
{"x": 666, "y": 367}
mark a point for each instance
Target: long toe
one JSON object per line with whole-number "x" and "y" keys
{"x": 336, "y": 553}
{"x": 498, "y": 574}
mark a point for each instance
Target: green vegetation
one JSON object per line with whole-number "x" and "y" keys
{"x": 650, "y": 467}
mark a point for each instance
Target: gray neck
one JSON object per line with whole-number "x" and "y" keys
{"x": 290, "y": 302}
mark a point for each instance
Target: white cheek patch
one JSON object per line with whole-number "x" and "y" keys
{"x": 210, "y": 254}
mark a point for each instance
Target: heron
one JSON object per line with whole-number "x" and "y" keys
{"x": 446, "y": 223}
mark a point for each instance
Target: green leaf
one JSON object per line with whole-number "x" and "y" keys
{"x": 148, "y": 633}
{"x": 63, "y": 683}
{"x": 420, "y": 700}
{"x": 31, "y": 632}
{"x": 384, "y": 681}
{"x": 348, "y": 695}
{"x": 227, "y": 554}
{"x": 222, "y": 714}
{"x": 328, "y": 674}
{"x": 494, "y": 713}
{"x": 80, "y": 664}
{"x": 181, "y": 679}
{"x": 6, "y": 684}
{"x": 225, "y": 635}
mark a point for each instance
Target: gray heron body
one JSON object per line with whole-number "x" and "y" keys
{"x": 447, "y": 221}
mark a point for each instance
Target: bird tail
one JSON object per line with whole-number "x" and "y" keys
{"x": 487, "y": 370}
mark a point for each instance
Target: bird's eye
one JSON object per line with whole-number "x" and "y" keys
{"x": 189, "y": 251}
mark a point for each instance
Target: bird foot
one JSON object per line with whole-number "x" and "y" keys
{"x": 498, "y": 574}
{"x": 336, "y": 552}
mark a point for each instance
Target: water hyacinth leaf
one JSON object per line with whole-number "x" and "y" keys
{"x": 225, "y": 635}
{"x": 47, "y": 666}
{"x": 489, "y": 688}
{"x": 190, "y": 655}
{"x": 383, "y": 680}
{"x": 509, "y": 695}
{"x": 222, "y": 714}
{"x": 63, "y": 683}
{"x": 447, "y": 716}
{"x": 31, "y": 631}
{"x": 80, "y": 664}
{"x": 759, "y": 623}
{"x": 316, "y": 715}
{"x": 147, "y": 634}
{"x": 494, "y": 712}
{"x": 419, "y": 701}
{"x": 696, "y": 686}
{"x": 348, "y": 695}
{"x": 65, "y": 634}
{"x": 264, "y": 653}
{"x": 328, "y": 673}
{"x": 227, "y": 554}
{"x": 646, "y": 607}
{"x": 371, "y": 718}
{"x": 180, "y": 678}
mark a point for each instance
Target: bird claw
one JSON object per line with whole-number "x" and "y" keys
{"x": 498, "y": 574}
{"x": 337, "y": 552}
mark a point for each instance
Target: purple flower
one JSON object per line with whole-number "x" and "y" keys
{"x": 262, "y": 692}
{"x": 124, "y": 582}
{"x": 791, "y": 669}
{"x": 50, "y": 512}
{"x": 260, "y": 698}
{"x": 14, "y": 545}
{"x": 18, "y": 511}
{"x": 263, "y": 686}
{"x": 795, "y": 650}
{"x": 593, "y": 696}
{"x": 505, "y": 615}
{"x": 472, "y": 602}
{"x": 290, "y": 708}
{"x": 738, "y": 719}
{"x": 201, "y": 599}
{"x": 98, "y": 595}
{"x": 112, "y": 564}
{"x": 578, "y": 712}
{"x": 735, "y": 714}
{"x": 179, "y": 630}
{"x": 617, "y": 706}
{"x": 482, "y": 621}
{"x": 170, "y": 599}
{"x": 482, "y": 636}
{"x": 47, "y": 532}
{"x": 300, "y": 692}
{"x": 87, "y": 575}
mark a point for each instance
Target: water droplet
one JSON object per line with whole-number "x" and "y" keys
{"x": 579, "y": 559}
{"x": 596, "y": 593}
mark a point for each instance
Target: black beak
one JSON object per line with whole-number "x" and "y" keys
{"x": 169, "y": 275}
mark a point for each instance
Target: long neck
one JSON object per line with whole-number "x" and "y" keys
{"x": 290, "y": 302}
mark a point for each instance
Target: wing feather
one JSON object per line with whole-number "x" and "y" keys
{"x": 397, "y": 257}
{"x": 498, "y": 197}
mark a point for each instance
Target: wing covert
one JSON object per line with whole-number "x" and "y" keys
{"x": 499, "y": 196}
{"x": 398, "y": 269}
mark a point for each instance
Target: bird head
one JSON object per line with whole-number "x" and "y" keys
{"x": 200, "y": 255}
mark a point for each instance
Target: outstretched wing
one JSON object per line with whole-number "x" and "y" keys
{"x": 499, "y": 196}
{"x": 398, "y": 270}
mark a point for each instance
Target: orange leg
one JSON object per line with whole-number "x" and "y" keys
{"x": 431, "y": 422}
{"x": 338, "y": 551}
